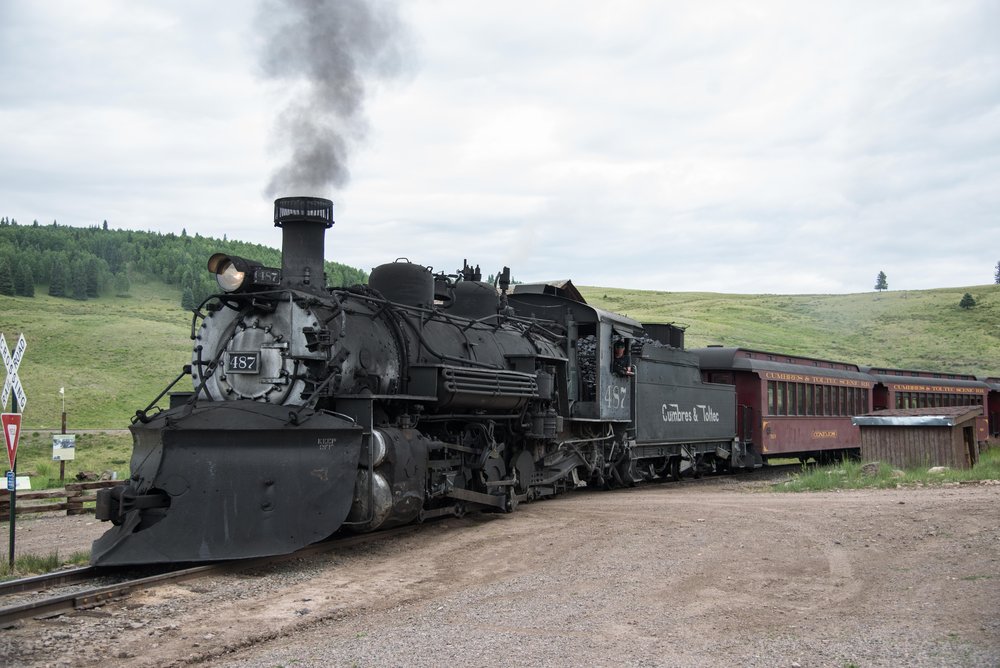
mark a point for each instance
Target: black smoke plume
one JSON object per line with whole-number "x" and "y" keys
{"x": 328, "y": 52}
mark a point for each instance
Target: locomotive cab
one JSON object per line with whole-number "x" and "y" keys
{"x": 599, "y": 386}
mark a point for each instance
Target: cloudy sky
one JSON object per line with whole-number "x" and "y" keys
{"x": 784, "y": 147}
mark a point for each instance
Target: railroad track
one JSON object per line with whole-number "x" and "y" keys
{"x": 125, "y": 584}
{"x": 97, "y": 595}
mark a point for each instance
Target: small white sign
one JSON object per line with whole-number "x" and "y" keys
{"x": 63, "y": 447}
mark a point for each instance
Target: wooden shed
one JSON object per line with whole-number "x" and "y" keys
{"x": 916, "y": 437}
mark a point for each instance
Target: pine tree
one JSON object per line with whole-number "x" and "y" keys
{"x": 187, "y": 299}
{"x": 880, "y": 282}
{"x": 19, "y": 279}
{"x": 57, "y": 278}
{"x": 968, "y": 301}
{"x": 27, "y": 281}
{"x": 78, "y": 280}
{"x": 92, "y": 284}
{"x": 6, "y": 277}
{"x": 996, "y": 275}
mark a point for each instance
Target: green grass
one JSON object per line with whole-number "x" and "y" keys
{"x": 849, "y": 475}
{"x": 114, "y": 355}
{"x": 907, "y": 329}
{"x": 33, "y": 564}
{"x": 96, "y": 453}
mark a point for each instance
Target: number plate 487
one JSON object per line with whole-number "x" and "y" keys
{"x": 243, "y": 362}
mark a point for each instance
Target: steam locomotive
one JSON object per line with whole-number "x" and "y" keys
{"x": 419, "y": 395}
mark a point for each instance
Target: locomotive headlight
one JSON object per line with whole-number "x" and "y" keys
{"x": 231, "y": 279}
{"x": 236, "y": 274}
{"x": 230, "y": 271}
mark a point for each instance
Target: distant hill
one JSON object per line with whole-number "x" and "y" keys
{"x": 114, "y": 354}
{"x": 82, "y": 263}
{"x": 914, "y": 329}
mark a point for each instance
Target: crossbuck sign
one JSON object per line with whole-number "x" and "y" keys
{"x": 11, "y": 362}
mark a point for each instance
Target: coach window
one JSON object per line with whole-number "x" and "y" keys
{"x": 819, "y": 400}
{"x": 800, "y": 404}
{"x": 810, "y": 400}
{"x": 781, "y": 399}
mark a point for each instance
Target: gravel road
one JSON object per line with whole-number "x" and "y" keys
{"x": 709, "y": 573}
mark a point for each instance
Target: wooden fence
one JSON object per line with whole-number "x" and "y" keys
{"x": 71, "y": 499}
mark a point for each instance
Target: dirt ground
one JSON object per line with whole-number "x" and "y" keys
{"x": 705, "y": 573}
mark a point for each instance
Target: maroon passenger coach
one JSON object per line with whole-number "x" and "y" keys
{"x": 791, "y": 406}
{"x": 993, "y": 407}
{"x": 904, "y": 388}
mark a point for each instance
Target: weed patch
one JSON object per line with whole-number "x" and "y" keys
{"x": 33, "y": 564}
{"x": 853, "y": 475}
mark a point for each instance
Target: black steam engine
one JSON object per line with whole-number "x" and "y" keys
{"x": 415, "y": 396}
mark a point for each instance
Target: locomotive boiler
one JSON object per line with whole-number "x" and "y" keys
{"x": 418, "y": 395}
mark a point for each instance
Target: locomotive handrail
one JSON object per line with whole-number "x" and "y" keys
{"x": 142, "y": 415}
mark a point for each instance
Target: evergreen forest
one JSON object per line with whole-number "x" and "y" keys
{"x": 85, "y": 263}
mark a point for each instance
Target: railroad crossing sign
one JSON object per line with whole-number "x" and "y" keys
{"x": 11, "y": 362}
{"x": 11, "y": 433}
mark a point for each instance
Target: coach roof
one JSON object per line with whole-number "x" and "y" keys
{"x": 718, "y": 358}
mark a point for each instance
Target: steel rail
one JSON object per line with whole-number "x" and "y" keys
{"x": 97, "y": 596}
{"x": 47, "y": 580}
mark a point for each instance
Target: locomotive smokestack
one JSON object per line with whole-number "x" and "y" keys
{"x": 303, "y": 222}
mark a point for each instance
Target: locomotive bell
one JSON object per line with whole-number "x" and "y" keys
{"x": 303, "y": 222}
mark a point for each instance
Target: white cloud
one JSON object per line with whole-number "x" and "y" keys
{"x": 771, "y": 146}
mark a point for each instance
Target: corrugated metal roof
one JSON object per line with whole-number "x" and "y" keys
{"x": 946, "y": 416}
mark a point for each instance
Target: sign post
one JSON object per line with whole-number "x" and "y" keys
{"x": 11, "y": 422}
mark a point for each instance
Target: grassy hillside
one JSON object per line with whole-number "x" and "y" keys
{"x": 114, "y": 355}
{"x": 908, "y": 329}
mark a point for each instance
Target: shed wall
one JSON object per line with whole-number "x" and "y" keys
{"x": 907, "y": 447}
